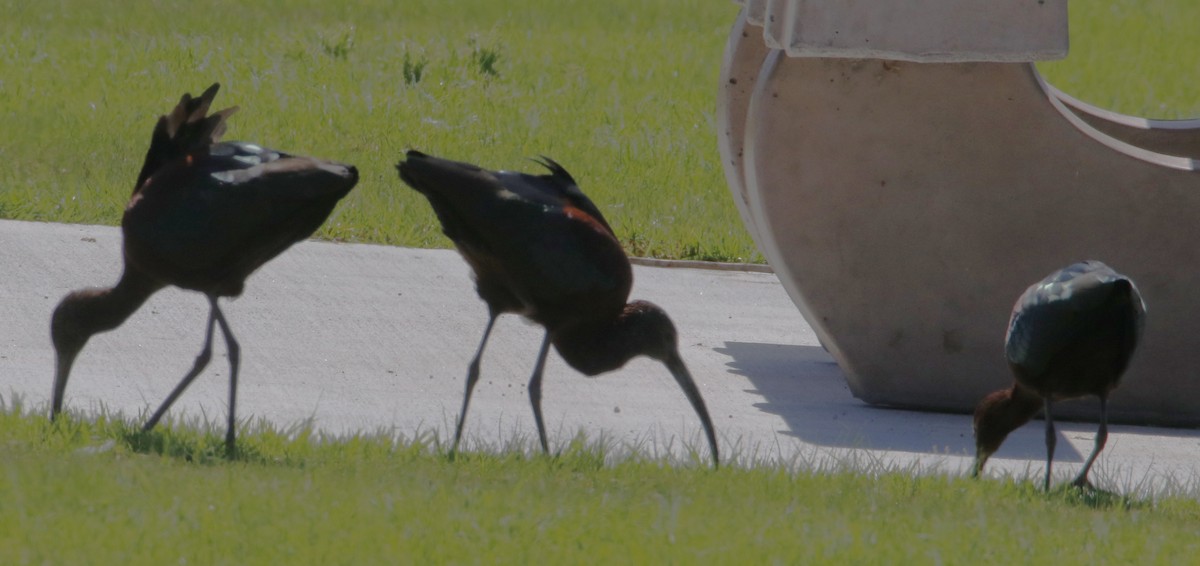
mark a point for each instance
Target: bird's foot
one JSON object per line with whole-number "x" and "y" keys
{"x": 231, "y": 451}
{"x": 1083, "y": 483}
{"x": 452, "y": 453}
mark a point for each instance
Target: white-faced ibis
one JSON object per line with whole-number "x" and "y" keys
{"x": 1071, "y": 334}
{"x": 541, "y": 249}
{"x": 204, "y": 215}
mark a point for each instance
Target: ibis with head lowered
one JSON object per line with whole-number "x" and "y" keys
{"x": 541, "y": 249}
{"x": 203, "y": 216}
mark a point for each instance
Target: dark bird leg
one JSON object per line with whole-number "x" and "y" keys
{"x": 1051, "y": 439}
{"x": 684, "y": 378}
{"x": 472, "y": 379}
{"x": 535, "y": 392}
{"x": 201, "y": 362}
{"x": 1101, "y": 439}
{"x": 235, "y": 356}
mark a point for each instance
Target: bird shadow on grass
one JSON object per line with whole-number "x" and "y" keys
{"x": 261, "y": 442}
{"x": 201, "y": 441}
{"x": 197, "y": 441}
{"x": 102, "y": 431}
{"x": 804, "y": 386}
{"x": 188, "y": 445}
{"x": 1095, "y": 498}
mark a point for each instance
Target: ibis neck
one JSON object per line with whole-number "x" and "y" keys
{"x": 597, "y": 348}
{"x": 87, "y": 312}
{"x": 1020, "y": 405}
{"x": 110, "y": 308}
{"x": 91, "y": 311}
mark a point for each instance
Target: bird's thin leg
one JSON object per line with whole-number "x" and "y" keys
{"x": 535, "y": 392}
{"x": 472, "y": 379}
{"x": 1101, "y": 439}
{"x": 201, "y": 362}
{"x": 235, "y": 356}
{"x": 1051, "y": 439}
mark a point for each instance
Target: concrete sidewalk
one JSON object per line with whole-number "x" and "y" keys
{"x": 363, "y": 338}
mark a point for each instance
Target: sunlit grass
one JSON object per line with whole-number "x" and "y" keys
{"x": 92, "y": 489}
{"x": 620, "y": 93}
{"x": 1139, "y": 57}
{"x": 623, "y": 93}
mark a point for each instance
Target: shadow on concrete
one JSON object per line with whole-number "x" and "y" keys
{"x": 804, "y": 386}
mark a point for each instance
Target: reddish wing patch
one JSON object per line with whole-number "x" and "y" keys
{"x": 579, "y": 215}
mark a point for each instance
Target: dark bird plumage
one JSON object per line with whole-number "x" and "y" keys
{"x": 1071, "y": 334}
{"x": 541, "y": 249}
{"x": 203, "y": 216}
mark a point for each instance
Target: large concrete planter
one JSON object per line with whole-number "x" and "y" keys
{"x": 905, "y": 204}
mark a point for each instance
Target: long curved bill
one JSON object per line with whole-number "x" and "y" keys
{"x": 981, "y": 458}
{"x": 62, "y": 371}
{"x": 682, "y": 376}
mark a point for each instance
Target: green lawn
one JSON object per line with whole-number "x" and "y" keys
{"x": 96, "y": 491}
{"x": 621, "y": 92}
{"x": 1138, "y": 57}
